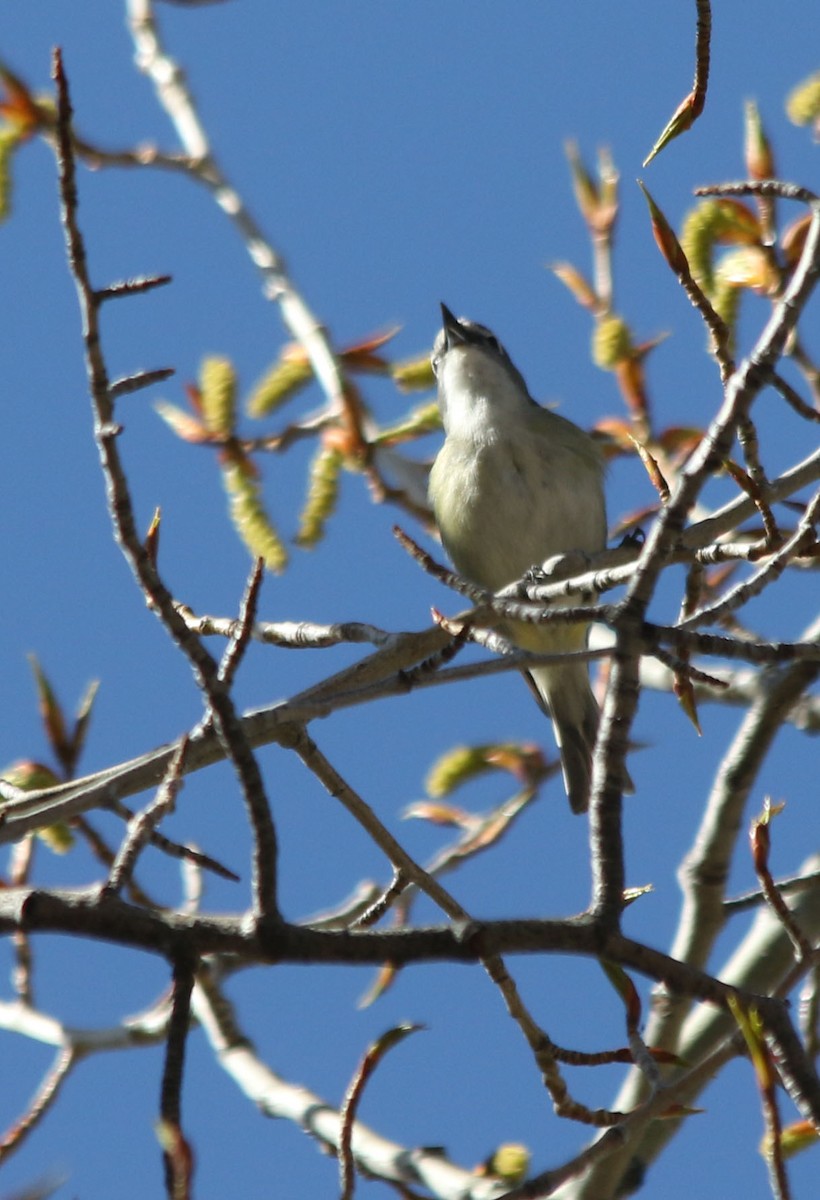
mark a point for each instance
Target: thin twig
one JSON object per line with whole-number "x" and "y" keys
{"x": 22, "y": 976}
{"x": 760, "y": 187}
{"x": 544, "y": 1052}
{"x": 682, "y": 667}
{"x": 227, "y": 724}
{"x": 292, "y": 635}
{"x": 692, "y": 105}
{"x": 760, "y": 838}
{"x": 803, "y": 537}
{"x": 130, "y": 287}
{"x": 135, "y": 383}
{"x": 702, "y": 54}
{"x": 451, "y": 579}
{"x": 41, "y": 1103}
{"x": 104, "y": 854}
{"x": 243, "y": 628}
{"x": 176, "y": 1152}
{"x": 142, "y": 826}
{"x": 382, "y": 903}
{"x": 620, "y": 704}
{"x": 792, "y": 883}
{"x": 793, "y": 398}
{"x": 175, "y": 97}
{"x": 350, "y": 1105}
{"x": 310, "y": 754}
{"x": 747, "y": 436}
{"x": 401, "y": 1165}
{"x": 177, "y": 849}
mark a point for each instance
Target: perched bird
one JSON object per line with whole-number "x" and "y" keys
{"x": 513, "y": 485}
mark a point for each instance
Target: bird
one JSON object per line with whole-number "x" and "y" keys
{"x": 513, "y": 485}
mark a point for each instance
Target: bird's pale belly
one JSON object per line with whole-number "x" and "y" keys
{"x": 511, "y": 525}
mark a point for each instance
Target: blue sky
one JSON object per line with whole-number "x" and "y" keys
{"x": 397, "y": 155}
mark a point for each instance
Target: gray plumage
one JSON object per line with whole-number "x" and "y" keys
{"x": 513, "y": 485}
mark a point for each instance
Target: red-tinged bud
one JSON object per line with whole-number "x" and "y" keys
{"x": 597, "y": 200}
{"x": 793, "y": 1138}
{"x": 342, "y": 439}
{"x": 524, "y": 761}
{"x": 682, "y": 119}
{"x": 618, "y": 433}
{"x": 761, "y": 843}
{"x": 51, "y": 711}
{"x": 151, "y": 542}
{"x": 384, "y": 980}
{"x": 609, "y": 177}
{"x": 583, "y": 185}
{"x": 632, "y": 383}
{"x": 760, "y": 836}
{"x": 439, "y": 814}
{"x": 679, "y": 441}
{"x": 734, "y": 222}
{"x": 675, "y": 1111}
{"x": 794, "y": 239}
{"x": 653, "y": 471}
{"x": 665, "y": 237}
{"x": 362, "y": 356}
{"x": 757, "y": 149}
{"x": 182, "y": 423}
{"x": 19, "y": 107}
{"x": 682, "y": 688}
{"x": 194, "y": 397}
{"x": 581, "y": 289}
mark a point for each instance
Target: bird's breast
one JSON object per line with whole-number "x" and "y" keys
{"x": 504, "y": 503}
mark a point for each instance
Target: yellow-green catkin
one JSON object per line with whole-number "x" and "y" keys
{"x": 720, "y": 220}
{"x": 217, "y": 384}
{"x": 424, "y": 419}
{"x": 511, "y": 1162}
{"x": 696, "y": 241}
{"x": 323, "y": 493}
{"x": 803, "y": 102}
{"x": 414, "y": 374}
{"x": 252, "y": 522}
{"x": 285, "y": 378}
{"x": 9, "y": 141}
{"x": 726, "y": 302}
{"x": 611, "y": 342}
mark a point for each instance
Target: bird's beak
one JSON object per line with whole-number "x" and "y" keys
{"x": 453, "y": 329}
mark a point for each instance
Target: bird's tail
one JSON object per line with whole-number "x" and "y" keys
{"x": 566, "y": 696}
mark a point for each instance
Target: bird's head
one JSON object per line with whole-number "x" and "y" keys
{"x": 473, "y": 369}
